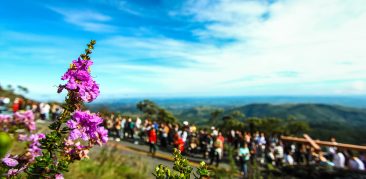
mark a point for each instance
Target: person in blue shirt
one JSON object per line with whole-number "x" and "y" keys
{"x": 244, "y": 155}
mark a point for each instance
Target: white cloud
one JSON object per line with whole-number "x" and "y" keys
{"x": 322, "y": 42}
{"x": 87, "y": 19}
{"x": 311, "y": 38}
{"x": 359, "y": 86}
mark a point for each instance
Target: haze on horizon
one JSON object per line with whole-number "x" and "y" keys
{"x": 164, "y": 48}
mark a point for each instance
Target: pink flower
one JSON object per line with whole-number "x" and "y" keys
{"x": 59, "y": 176}
{"x": 25, "y": 118}
{"x": 34, "y": 146}
{"x": 80, "y": 80}
{"x": 13, "y": 172}
{"x": 22, "y": 137}
{"x": 76, "y": 151}
{"x": 86, "y": 125}
{"x": 10, "y": 162}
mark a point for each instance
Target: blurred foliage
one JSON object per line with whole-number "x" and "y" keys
{"x": 107, "y": 163}
{"x": 181, "y": 169}
{"x": 5, "y": 143}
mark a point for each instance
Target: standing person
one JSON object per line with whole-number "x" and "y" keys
{"x": 244, "y": 155}
{"x": 231, "y": 137}
{"x": 247, "y": 137}
{"x": 109, "y": 126}
{"x": 138, "y": 127}
{"x": 193, "y": 143}
{"x": 2, "y": 105}
{"x": 53, "y": 112}
{"x": 279, "y": 153}
{"x": 41, "y": 110}
{"x": 122, "y": 130}
{"x": 209, "y": 145}
{"x": 117, "y": 127}
{"x": 216, "y": 151}
{"x": 270, "y": 157}
{"x": 35, "y": 110}
{"x": 171, "y": 134}
{"x": 183, "y": 133}
{"x": 152, "y": 141}
{"x": 363, "y": 158}
{"x": 222, "y": 139}
{"x": 127, "y": 128}
{"x": 238, "y": 139}
{"x": 164, "y": 131}
{"x": 16, "y": 105}
{"x": 331, "y": 150}
{"x": 138, "y": 123}
{"x": 47, "y": 109}
{"x": 289, "y": 160}
{"x": 6, "y": 101}
{"x": 58, "y": 112}
{"x": 260, "y": 154}
{"x": 132, "y": 129}
{"x": 355, "y": 163}
{"x": 178, "y": 143}
{"x": 339, "y": 159}
{"x": 203, "y": 138}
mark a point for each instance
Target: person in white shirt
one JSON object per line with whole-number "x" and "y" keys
{"x": 289, "y": 160}
{"x": 138, "y": 123}
{"x": 122, "y": 130}
{"x": 339, "y": 159}
{"x": 215, "y": 132}
{"x": 184, "y": 136}
{"x": 278, "y": 151}
{"x": 262, "y": 139}
{"x": 355, "y": 163}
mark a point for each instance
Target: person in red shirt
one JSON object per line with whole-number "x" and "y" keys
{"x": 179, "y": 143}
{"x": 16, "y": 105}
{"x": 152, "y": 140}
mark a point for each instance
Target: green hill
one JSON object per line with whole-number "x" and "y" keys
{"x": 313, "y": 113}
{"x": 345, "y": 123}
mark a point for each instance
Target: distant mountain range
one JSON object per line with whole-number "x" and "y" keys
{"x": 189, "y": 102}
{"x": 345, "y": 123}
{"x": 313, "y": 113}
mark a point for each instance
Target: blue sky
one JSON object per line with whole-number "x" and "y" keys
{"x": 188, "y": 48}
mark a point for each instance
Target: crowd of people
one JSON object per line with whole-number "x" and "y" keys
{"x": 208, "y": 143}
{"x": 43, "y": 111}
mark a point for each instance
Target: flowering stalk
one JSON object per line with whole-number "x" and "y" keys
{"x": 76, "y": 131}
{"x": 72, "y": 135}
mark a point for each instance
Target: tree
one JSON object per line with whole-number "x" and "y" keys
{"x": 214, "y": 115}
{"x": 237, "y": 114}
{"x": 152, "y": 110}
{"x": 166, "y": 116}
{"x": 149, "y": 108}
{"x": 297, "y": 127}
{"x": 23, "y": 89}
{"x": 10, "y": 88}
